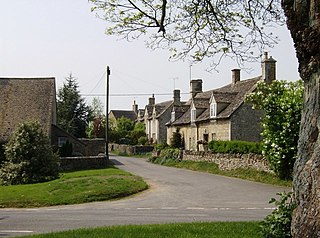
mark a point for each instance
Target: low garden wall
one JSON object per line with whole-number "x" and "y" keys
{"x": 93, "y": 147}
{"x": 131, "y": 149}
{"x": 229, "y": 161}
{"x": 83, "y": 162}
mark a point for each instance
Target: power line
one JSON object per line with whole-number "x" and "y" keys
{"x": 127, "y": 94}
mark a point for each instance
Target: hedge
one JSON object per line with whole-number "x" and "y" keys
{"x": 235, "y": 147}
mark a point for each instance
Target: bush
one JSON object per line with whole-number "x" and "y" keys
{"x": 235, "y": 147}
{"x": 143, "y": 140}
{"x": 29, "y": 157}
{"x": 166, "y": 155}
{"x": 177, "y": 140}
{"x": 278, "y": 223}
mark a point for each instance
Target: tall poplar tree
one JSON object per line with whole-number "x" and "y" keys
{"x": 73, "y": 115}
{"x": 235, "y": 28}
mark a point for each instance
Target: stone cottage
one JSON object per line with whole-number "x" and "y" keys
{"x": 220, "y": 114}
{"x": 156, "y": 115}
{"x": 31, "y": 99}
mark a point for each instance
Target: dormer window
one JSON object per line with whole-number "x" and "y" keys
{"x": 193, "y": 115}
{"x": 173, "y": 116}
{"x": 213, "y": 110}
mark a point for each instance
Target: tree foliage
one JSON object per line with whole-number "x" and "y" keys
{"x": 281, "y": 102}
{"x": 73, "y": 115}
{"x": 177, "y": 140}
{"x": 196, "y": 28}
{"x": 96, "y": 128}
{"x": 29, "y": 157}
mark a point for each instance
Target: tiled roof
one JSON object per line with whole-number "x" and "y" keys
{"x": 26, "y": 99}
{"x": 122, "y": 113}
{"x": 160, "y": 108}
{"x": 233, "y": 95}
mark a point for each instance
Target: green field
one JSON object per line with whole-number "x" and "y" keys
{"x": 73, "y": 188}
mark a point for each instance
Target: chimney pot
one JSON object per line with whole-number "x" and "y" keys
{"x": 235, "y": 76}
{"x": 195, "y": 87}
{"x": 268, "y": 65}
{"x": 176, "y": 97}
{"x": 152, "y": 100}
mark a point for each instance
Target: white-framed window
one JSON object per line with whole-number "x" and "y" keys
{"x": 213, "y": 110}
{"x": 173, "y": 116}
{"x": 193, "y": 115}
{"x": 62, "y": 141}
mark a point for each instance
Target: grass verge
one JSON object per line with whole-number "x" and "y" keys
{"x": 247, "y": 174}
{"x": 180, "y": 230}
{"x": 73, "y": 188}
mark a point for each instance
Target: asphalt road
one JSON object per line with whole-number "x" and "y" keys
{"x": 175, "y": 195}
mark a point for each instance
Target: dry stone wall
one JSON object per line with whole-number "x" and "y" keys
{"x": 229, "y": 161}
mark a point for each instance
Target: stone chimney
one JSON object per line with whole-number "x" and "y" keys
{"x": 176, "y": 97}
{"x": 235, "y": 76}
{"x": 152, "y": 100}
{"x": 268, "y": 65}
{"x": 195, "y": 87}
{"x": 135, "y": 107}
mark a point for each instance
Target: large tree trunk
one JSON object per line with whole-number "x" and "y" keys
{"x": 303, "y": 21}
{"x": 306, "y": 184}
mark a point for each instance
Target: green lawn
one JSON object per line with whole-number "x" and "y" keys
{"x": 73, "y": 188}
{"x": 179, "y": 230}
{"x": 248, "y": 174}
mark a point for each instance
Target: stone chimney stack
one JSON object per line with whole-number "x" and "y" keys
{"x": 195, "y": 87}
{"x": 268, "y": 65}
{"x": 235, "y": 76}
{"x": 152, "y": 100}
{"x": 176, "y": 97}
{"x": 135, "y": 107}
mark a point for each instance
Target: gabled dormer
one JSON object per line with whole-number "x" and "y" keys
{"x": 193, "y": 111}
{"x": 218, "y": 102}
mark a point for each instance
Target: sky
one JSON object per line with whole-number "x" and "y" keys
{"x": 53, "y": 38}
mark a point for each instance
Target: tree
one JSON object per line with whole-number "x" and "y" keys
{"x": 281, "y": 102}
{"x": 73, "y": 115}
{"x": 176, "y": 141}
{"x": 29, "y": 157}
{"x": 97, "y": 127}
{"x": 206, "y": 28}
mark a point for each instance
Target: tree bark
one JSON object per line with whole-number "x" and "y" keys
{"x": 303, "y": 21}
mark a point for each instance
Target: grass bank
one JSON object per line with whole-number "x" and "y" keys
{"x": 248, "y": 174}
{"x": 73, "y": 188}
{"x": 180, "y": 230}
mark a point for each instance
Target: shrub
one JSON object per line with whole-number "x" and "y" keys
{"x": 143, "y": 140}
{"x": 235, "y": 147}
{"x": 281, "y": 102}
{"x": 29, "y": 157}
{"x": 278, "y": 223}
{"x": 166, "y": 155}
{"x": 176, "y": 140}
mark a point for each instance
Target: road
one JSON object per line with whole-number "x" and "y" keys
{"x": 175, "y": 195}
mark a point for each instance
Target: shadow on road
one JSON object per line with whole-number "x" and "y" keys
{"x": 115, "y": 162}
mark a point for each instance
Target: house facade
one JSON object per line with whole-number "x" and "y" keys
{"x": 156, "y": 115}
{"x": 221, "y": 114}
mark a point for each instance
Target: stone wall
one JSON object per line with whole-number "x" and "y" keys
{"x": 229, "y": 161}
{"x": 131, "y": 150}
{"x": 84, "y": 162}
{"x": 94, "y": 146}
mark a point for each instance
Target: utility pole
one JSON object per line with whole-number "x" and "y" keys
{"x": 107, "y": 111}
